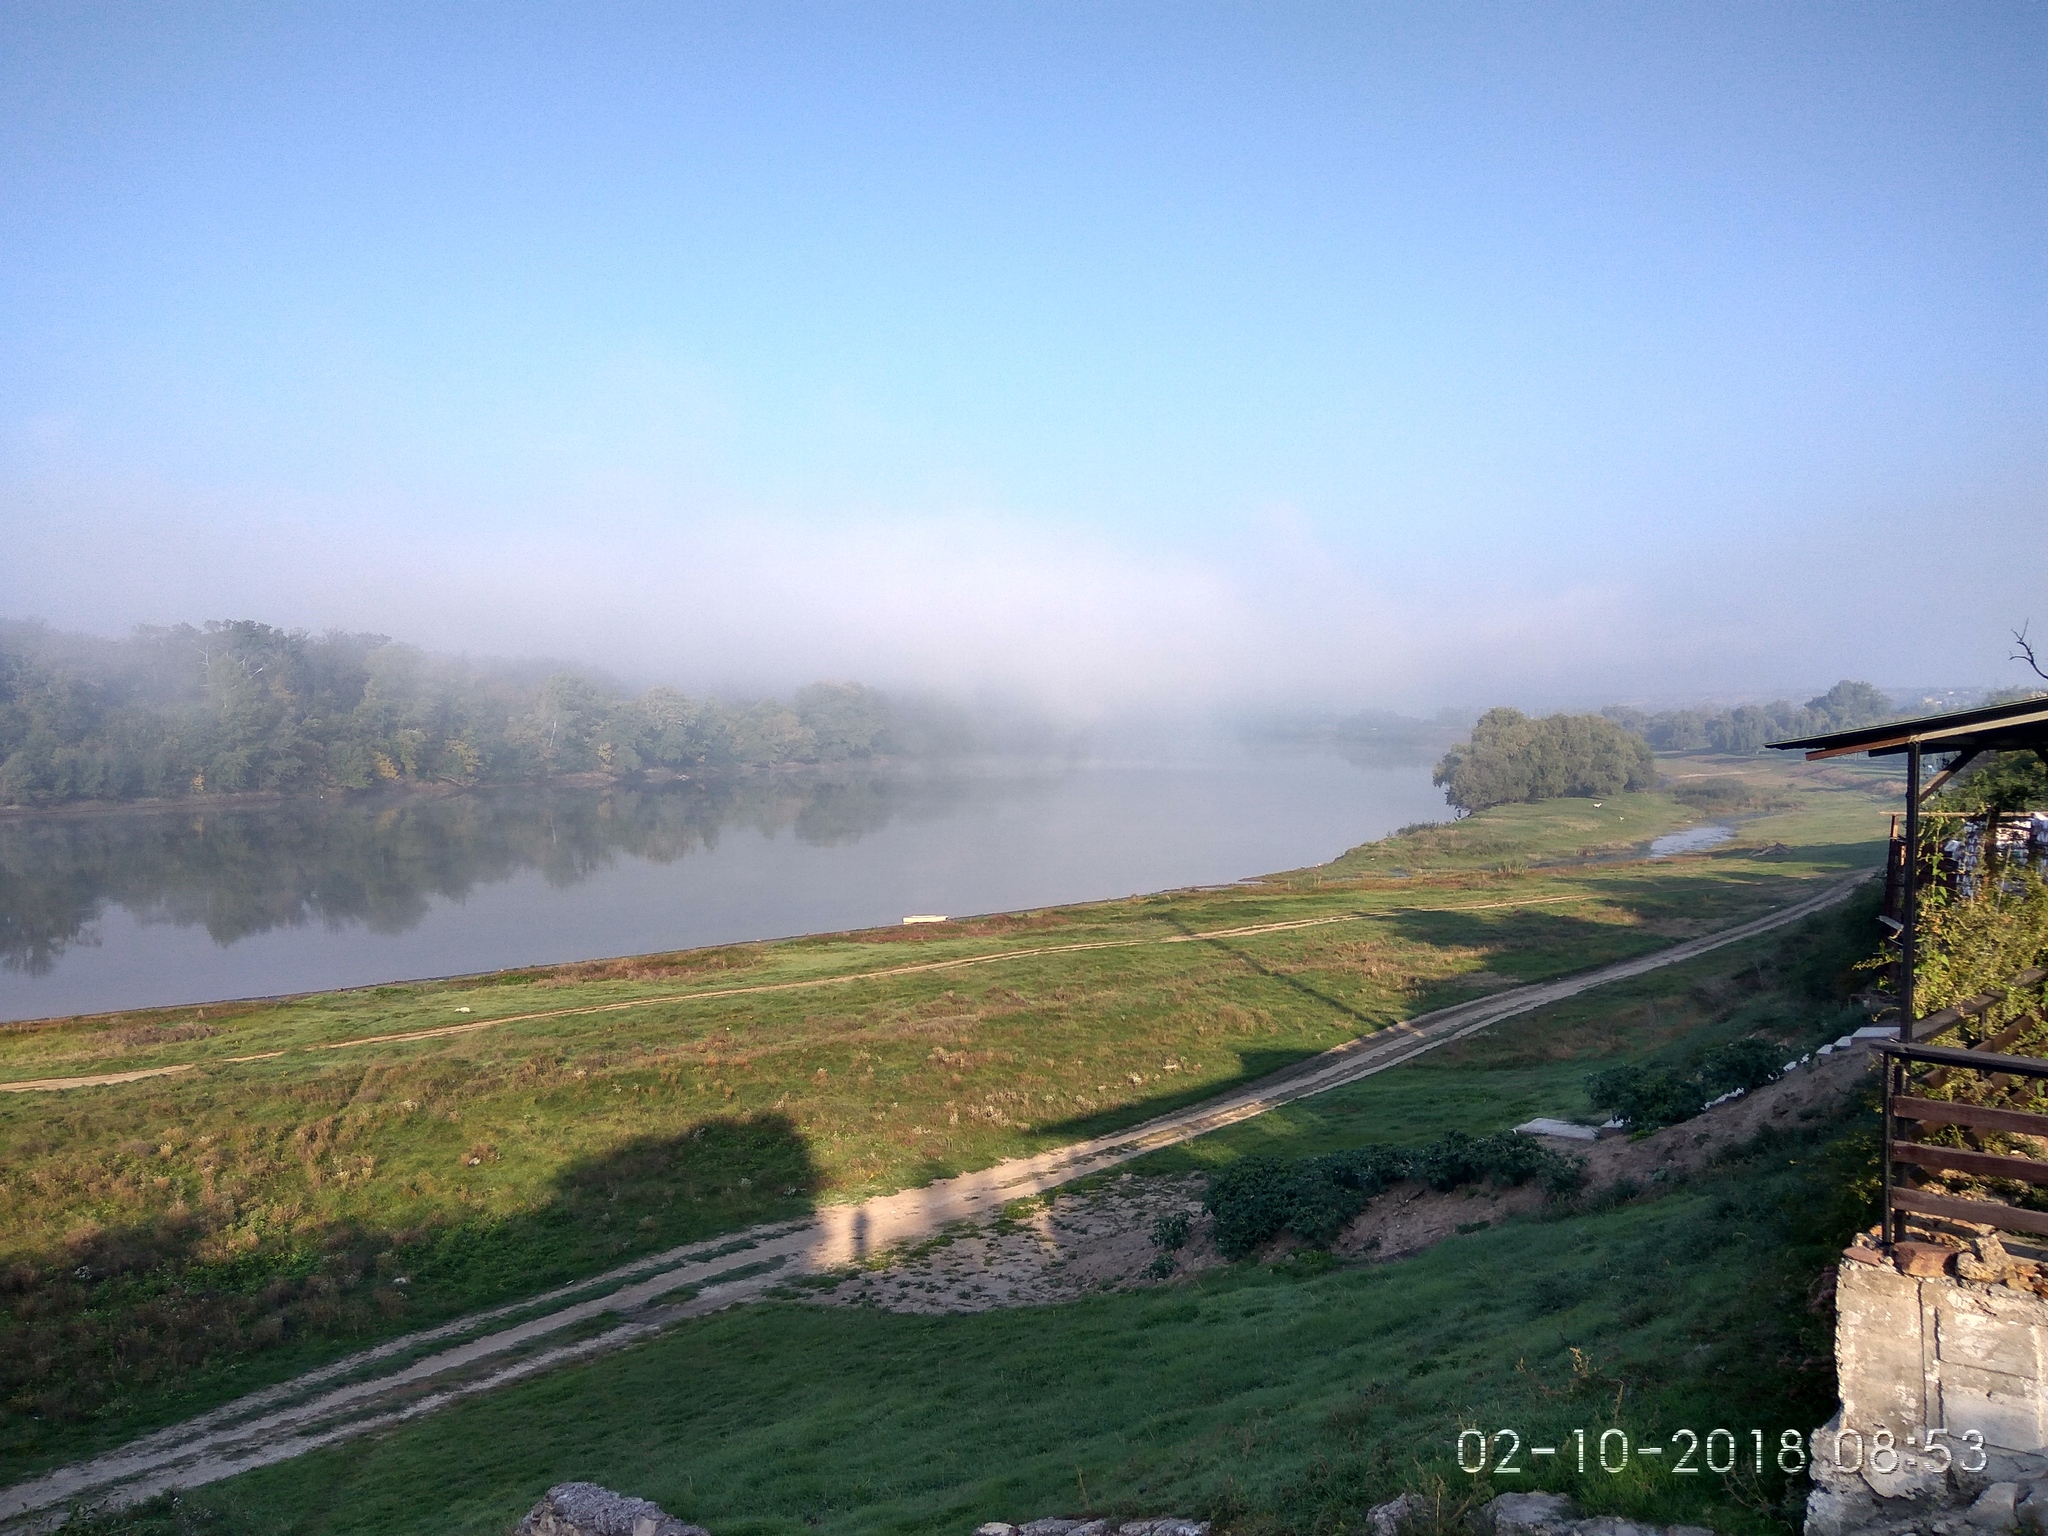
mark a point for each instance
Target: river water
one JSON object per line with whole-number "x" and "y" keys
{"x": 139, "y": 908}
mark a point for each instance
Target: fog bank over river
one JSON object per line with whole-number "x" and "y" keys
{"x": 137, "y": 908}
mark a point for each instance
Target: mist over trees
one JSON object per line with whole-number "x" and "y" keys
{"x": 1512, "y": 758}
{"x": 1747, "y": 727}
{"x": 239, "y": 707}
{"x": 1371, "y": 738}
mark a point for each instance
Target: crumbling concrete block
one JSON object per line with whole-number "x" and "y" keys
{"x": 1996, "y": 1507}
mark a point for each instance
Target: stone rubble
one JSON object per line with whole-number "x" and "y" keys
{"x": 1523, "y": 1514}
{"x": 1169, "y": 1525}
{"x": 1981, "y": 1257}
{"x": 585, "y": 1509}
{"x": 1999, "y": 1510}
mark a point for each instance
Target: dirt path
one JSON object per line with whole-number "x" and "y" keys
{"x": 420, "y": 1372}
{"x": 102, "y": 1080}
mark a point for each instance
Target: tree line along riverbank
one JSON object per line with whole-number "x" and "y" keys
{"x": 241, "y": 708}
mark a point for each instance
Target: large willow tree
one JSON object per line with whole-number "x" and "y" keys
{"x": 1512, "y": 758}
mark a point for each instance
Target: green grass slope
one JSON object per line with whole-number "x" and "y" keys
{"x": 1275, "y": 1399}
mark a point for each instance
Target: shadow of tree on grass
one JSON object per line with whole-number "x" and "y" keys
{"x": 127, "y": 1326}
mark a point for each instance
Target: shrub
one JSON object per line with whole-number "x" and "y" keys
{"x": 1251, "y": 1201}
{"x": 1971, "y": 945}
{"x": 1256, "y": 1199}
{"x": 1647, "y": 1098}
{"x": 1171, "y": 1232}
{"x": 1741, "y": 1065}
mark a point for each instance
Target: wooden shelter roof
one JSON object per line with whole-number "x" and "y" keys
{"x": 2021, "y": 726}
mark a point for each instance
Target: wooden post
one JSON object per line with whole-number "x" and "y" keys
{"x": 1909, "y": 939}
{"x": 1894, "y": 1070}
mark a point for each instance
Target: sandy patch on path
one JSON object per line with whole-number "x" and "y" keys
{"x": 1078, "y": 1243}
{"x": 1068, "y": 1245}
{"x": 98, "y": 1080}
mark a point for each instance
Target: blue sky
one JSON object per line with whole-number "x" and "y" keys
{"x": 1158, "y": 355}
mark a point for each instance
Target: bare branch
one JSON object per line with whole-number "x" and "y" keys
{"x": 2026, "y": 652}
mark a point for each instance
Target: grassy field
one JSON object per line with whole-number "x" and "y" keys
{"x": 1276, "y": 1398}
{"x": 173, "y": 1241}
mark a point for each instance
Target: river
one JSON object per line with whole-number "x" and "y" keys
{"x": 140, "y": 908}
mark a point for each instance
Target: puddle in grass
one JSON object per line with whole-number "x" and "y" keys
{"x": 1691, "y": 840}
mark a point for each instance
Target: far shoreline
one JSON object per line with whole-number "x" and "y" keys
{"x": 652, "y": 778}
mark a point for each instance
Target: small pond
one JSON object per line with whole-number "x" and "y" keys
{"x": 1691, "y": 840}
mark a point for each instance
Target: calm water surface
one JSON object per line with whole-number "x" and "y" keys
{"x": 1691, "y": 840}
{"x": 138, "y": 908}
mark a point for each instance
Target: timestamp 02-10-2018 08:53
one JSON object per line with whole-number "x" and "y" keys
{"x": 1507, "y": 1453}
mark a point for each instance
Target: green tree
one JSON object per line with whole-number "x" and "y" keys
{"x": 845, "y": 720}
{"x": 1850, "y": 704}
{"x": 1743, "y": 729}
{"x": 1512, "y": 758}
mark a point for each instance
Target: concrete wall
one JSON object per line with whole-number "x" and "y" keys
{"x": 1914, "y": 1353}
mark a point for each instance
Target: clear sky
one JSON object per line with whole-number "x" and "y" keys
{"x": 1163, "y": 354}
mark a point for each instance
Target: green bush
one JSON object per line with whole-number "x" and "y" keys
{"x": 1975, "y": 944}
{"x": 1743, "y": 1065}
{"x": 1171, "y": 1231}
{"x": 1256, "y": 1199}
{"x": 1646, "y": 1098}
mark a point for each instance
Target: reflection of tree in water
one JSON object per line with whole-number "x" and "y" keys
{"x": 45, "y": 902}
{"x": 379, "y": 863}
{"x": 848, "y": 810}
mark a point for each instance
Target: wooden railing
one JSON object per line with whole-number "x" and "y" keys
{"x": 1949, "y": 1018}
{"x": 1905, "y": 1111}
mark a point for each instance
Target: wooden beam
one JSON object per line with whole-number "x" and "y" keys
{"x": 1983, "y": 1213}
{"x": 1949, "y": 1018}
{"x": 1985, "y": 1165}
{"x": 1816, "y": 756}
{"x": 1978, "y": 1116}
{"x": 1932, "y": 734}
{"x": 1976, "y": 1061}
{"x": 1963, "y": 760}
{"x": 1909, "y": 899}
